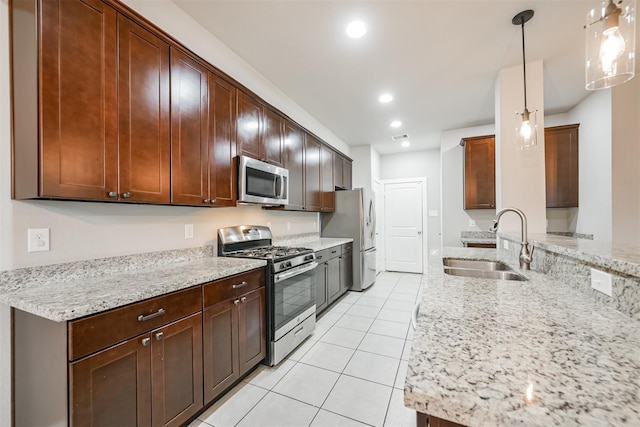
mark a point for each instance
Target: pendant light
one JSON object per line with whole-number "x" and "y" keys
{"x": 526, "y": 121}
{"x": 611, "y": 38}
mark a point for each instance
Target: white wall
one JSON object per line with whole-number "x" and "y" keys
{"x": 89, "y": 230}
{"x": 595, "y": 165}
{"x": 625, "y": 156}
{"x": 454, "y": 218}
{"x": 520, "y": 174}
{"x": 417, "y": 164}
{"x": 366, "y": 166}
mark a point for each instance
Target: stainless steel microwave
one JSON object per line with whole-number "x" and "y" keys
{"x": 260, "y": 182}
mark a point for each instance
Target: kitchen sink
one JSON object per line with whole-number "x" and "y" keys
{"x": 475, "y": 264}
{"x": 484, "y": 274}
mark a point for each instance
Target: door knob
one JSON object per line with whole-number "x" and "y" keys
{"x": 419, "y": 232}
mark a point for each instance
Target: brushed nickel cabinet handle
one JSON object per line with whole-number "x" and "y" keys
{"x": 240, "y": 285}
{"x": 126, "y": 195}
{"x": 243, "y": 299}
{"x": 206, "y": 201}
{"x": 213, "y": 202}
{"x": 146, "y": 341}
{"x": 159, "y": 336}
{"x": 142, "y": 317}
{"x": 112, "y": 194}
{"x": 236, "y": 302}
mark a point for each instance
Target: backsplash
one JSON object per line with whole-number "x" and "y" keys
{"x": 625, "y": 296}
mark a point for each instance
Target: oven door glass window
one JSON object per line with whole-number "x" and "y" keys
{"x": 293, "y": 296}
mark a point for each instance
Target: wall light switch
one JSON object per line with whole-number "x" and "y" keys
{"x": 38, "y": 239}
{"x": 288, "y": 225}
{"x": 601, "y": 281}
{"x": 505, "y": 243}
{"x": 433, "y": 213}
{"x": 188, "y": 231}
{"x": 472, "y": 223}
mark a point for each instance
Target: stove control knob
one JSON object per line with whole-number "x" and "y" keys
{"x": 289, "y": 264}
{"x": 283, "y": 265}
{"x": 308, "y": 257}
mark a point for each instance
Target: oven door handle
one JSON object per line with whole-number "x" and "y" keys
{"x": 294, "y": 272}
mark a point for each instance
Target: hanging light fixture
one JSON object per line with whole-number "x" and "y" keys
{"x": 526, "y": 121}
{"x": 611, "y": 38}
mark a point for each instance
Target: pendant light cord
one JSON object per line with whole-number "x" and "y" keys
{"x": 524, "y": 65}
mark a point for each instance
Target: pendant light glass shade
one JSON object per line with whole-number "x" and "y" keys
{"x": 611, "y": 38}
{"x": 526, "y": 129}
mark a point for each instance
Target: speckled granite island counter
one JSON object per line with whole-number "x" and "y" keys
{"x": 532, "y": 353}
{"x": 312, "y": 241}
{"x": 69, "y": 291}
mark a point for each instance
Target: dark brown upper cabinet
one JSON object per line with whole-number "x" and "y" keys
{"x": 103, "y": 93}
{"x": 479, "y": 172}
{"x": 346, "y": 174}
{"x": 327, "y": 187}
{"x": 202, "y": 140}
{"x": 312, "y": 188}
{"x": 561, "y": 166}
{"x": 294, "y": 163}
{"x": 341, "y": 172}
{"x": 260, "y": 131}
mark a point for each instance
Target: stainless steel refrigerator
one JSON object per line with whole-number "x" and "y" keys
{"x": 355, "y": 217}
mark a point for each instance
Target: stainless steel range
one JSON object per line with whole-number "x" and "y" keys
{"x": 290, "y": 287}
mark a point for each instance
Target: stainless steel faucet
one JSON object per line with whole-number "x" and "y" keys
{"x": 526, "y": 255}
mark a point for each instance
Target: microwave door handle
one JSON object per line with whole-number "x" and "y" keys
{"x": 282, "y": 186}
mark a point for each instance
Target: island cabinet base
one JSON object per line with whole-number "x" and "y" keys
{"x": 424, "y": 420}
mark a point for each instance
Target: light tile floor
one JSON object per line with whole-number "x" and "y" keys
{"x": 350, "y": 372}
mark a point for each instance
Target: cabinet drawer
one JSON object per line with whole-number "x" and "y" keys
{"x": 327, "y": 254}
{"x": 233, "y": 286}
{"x": 105, "y": 329}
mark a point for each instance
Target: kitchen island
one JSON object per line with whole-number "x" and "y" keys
{"x": 535, "y": 352}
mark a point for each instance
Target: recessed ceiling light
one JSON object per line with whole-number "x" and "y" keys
{"x": 356, "y": 29}
{"x": 386, "y": 97}
{"x": 405, "y": 144}
{"x": 396, "y": 124}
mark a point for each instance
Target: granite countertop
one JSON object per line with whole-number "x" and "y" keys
{"x": 483, "y": 237}
{"x": 69, "y": 291}
{"x": 311, "y": 241}
{"x": 480, "y": 344}
{"x": 619, "y": 258}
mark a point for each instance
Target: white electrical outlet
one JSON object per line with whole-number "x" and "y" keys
{"x": 38, "y": 239}
{"x": 472, "y": 223}
{"x": 288, "y": 225}
{"x": 505, "y": 243}
{"x": 188, "y": 231}
{"x": 601, "y": 281}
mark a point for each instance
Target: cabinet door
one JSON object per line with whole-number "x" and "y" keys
{"x": 143, "y": 114}
{"x": 221, "y": 368}
{"x": 479, "y": 173}
{"x": 249, "y": 127}
{"x": 176, "y": 366}
{"x": 273, "y": 138}
{"x": 561, "y": 166}
{"x": 222, "y": 145}
{"x": 321, "y": 287}
{"x": 338, "y": 171}
{"x": 113, "y": 387}
{"x": 252, "y": 334}
{"x": 333, "y": 279}
{"x": 189, "y": 130}
{"x": 346, "y": 272}
{"x": 79, "y": 156}
{"x": 294, "y": 163}
{"x": 346, "y": 174}
{"x": 326, "y": 174}
{"x": 312, "y": 194}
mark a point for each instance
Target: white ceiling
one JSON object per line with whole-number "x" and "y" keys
{"x": 439, "y": 59}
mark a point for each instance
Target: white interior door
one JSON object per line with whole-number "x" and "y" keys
{"x": 403, "y": 226}
{"x": 378, "y": 191}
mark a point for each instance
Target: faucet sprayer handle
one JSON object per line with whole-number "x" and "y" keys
{"x": 494, "y": 227}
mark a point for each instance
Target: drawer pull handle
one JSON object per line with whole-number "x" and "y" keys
{"x": 126, "y": 195}
{"x": 333, "y": 252}
{"x": 142, "y": 317}
{"x": 236, "y": 302}
{"x": 146, "y": 341}
{"x": 240, "y": 285}
{"x": 298, "y": 332}
{"x": 159, "y": 336}
{"x": 243, "y": 299}
{"x": 113, "y": 194}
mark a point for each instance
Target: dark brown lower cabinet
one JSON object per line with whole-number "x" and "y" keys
{"x": 152, "y": 379}
{"x": 234, "y": 340}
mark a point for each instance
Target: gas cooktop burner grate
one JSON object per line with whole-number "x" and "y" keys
{"x": 269, "y": 252}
